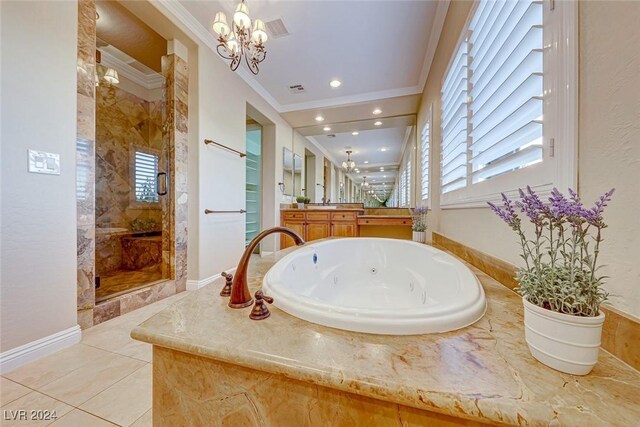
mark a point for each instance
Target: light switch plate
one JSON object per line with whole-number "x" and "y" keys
{"x": 43, "y": 162}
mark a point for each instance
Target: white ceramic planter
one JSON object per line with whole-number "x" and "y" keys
{"x": 419, "y": 236}
{"x": 300, "y": 205}
{"x": 566, "y": 343}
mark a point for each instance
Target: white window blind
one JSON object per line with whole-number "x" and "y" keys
{"x": 424, "y": 161}
{"x": 453, "y": 160}
{"x": 408, "y": 183}
{"x": 403, "y": 187}
{"x": 146, "y": 171}
{"x": 506, "y": 58}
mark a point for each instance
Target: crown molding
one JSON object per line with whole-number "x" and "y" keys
{"x": 351, "y": 99}
{"x": 179, "y": 14}
{"x": 434, "y": 38}
{"x": 154, "y": 81}
{"x": 323, "y": 150}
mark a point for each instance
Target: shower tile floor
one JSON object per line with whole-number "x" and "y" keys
{"x": 121, "y": 281}
{"x": 105, "y": 380}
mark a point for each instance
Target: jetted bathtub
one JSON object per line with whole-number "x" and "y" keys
{"x": 378, "y": 286}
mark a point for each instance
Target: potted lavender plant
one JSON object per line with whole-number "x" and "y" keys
{"x": 559, "y": 283}
{"x": 419, "y": 223}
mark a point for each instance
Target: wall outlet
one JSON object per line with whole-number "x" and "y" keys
{"x": 43, "y": 162}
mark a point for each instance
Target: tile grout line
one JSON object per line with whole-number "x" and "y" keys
{"x": 112, "y": 385}
{"x": 117, "y": 354}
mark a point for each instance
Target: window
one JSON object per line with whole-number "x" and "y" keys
{"x": 146, "y": 171}
{"x": 407, "y": 171}
{"x": 424, "y": 159}
{"x": 507, "y": 96}
{"x": 454, "y": 124}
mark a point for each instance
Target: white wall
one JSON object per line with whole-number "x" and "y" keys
{"x": 609, "y": 147}
{"x": 38, "y": 214}
{"x": 223, "y": 98}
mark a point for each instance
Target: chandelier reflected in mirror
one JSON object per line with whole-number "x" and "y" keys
{"x": 364, "y": 182}
{"x": 241, "y": 39}
{"x": 349, "y": 165}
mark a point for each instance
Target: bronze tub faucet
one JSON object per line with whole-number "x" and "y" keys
{"x": 240, "y": 295}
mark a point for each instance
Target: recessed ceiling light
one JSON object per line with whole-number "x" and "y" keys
{"x": 384, "y": 176}
{"x": 326, "y": 128}
{"x": 365, "y": 162}
{"x": 383, "y": 149}
{"x": 355, "y": 132}
{"x": 335, "y": 83}
{"x": 319, "y": 119}
{"x": 357, "y": 171}
{"x": 377, "y": 111}
{"x": 381, "y": 169}
{"x": 378, "y": 123}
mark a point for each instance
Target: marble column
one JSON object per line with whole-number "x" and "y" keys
{"x": 174, "y": 154}
{"x": 85, "y": 161}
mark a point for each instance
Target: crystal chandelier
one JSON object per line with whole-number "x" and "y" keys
{"x": 349, "y": 165}
{"x": 364, "y": 182}
{"x": 242, "y": 39}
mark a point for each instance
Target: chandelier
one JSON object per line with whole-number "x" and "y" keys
{"x": 349, "y": 165}
{"x": 241, "y": 39}
{"x": 364, "y": 181}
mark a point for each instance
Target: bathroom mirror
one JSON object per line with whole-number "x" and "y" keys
{"x": 383, "y": 151}
{"x": 287, "y": 171}
{"x": 297, "y": 175}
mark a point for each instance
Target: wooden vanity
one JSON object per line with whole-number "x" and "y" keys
{"x": 314, "y": 224}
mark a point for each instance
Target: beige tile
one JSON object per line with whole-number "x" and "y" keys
{"x": 49, "y": 408}
{"x": 82, "y": 384}
{"x": 41, "y": 372}
{"x": 117, "y": 339}
{"x": 10, "y": 391}
{"x": 124, "y": 402}
{"x": 78, "y": 418}
{"x": 144, "y": 421}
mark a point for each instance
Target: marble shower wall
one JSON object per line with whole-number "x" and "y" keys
{"x": 85, "y": 162}
{"x": 124, "y": 123}
{"x": 175, "y": 133}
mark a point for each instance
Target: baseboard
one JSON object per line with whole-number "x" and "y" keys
{"x": 194, "y": 285}
{"x": 30, "y": 352}
{"x": 620, "y": 333}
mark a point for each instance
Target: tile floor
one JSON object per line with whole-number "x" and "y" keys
{"x": 103, "y": 381}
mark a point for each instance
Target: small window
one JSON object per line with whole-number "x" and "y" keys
{"x": 424, "y": 161}
{"x": 146, "y": 171}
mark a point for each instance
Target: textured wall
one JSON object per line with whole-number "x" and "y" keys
{"x": 38, "y": 235}
{"x": 609, "y": 142}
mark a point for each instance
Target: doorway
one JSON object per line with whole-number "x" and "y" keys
{"x": 253, "y": 180}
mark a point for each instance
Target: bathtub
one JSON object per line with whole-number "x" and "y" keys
{"x": 378, "y": 286}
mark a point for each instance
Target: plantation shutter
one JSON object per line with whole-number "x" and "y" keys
{"x": 454, "y": 123}
{"x": 506, "y": 59}
{"x": 424, "y": 161}
{"x": 146, "y": 170}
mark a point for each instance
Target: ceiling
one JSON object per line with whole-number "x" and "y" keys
{"x": 367, "y": 146}
{"x": 361, "y": 43}
{"x": 118, "y": 27}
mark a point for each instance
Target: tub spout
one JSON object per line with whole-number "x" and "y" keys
{"x": 240, "y": 295}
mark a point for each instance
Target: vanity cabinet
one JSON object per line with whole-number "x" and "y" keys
{"x": 315, "y": 225}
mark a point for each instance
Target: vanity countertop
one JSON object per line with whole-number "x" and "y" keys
{"x": 483, "y": 372}
{"x": 324, "y": 210}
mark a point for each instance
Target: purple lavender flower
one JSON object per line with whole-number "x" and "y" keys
{"x": 594, "y": 215}
{"x": 507, "y": 213}
{"x": 532, "y": 206}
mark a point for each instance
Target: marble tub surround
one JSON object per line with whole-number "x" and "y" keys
{"x": 620, "y": 333}
{"x": 482, "y": 373}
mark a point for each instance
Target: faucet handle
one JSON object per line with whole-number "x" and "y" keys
{"x": 260, "y": 310}
{"x": 226, "y": 291}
